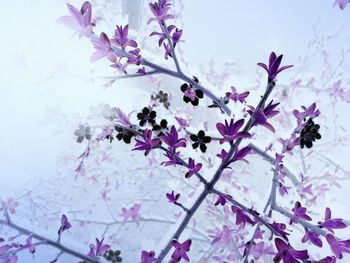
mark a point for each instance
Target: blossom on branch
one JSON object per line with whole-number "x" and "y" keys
{"x": 80, "y": 20}
{"x": 299, "y": 212}
{"x": 287, "y": 253}
{"x": 193, "y": 168}
{"x": 273, "y": 69}
{"x": 329, "y": 223}
{"x": 147, "y": 257}
{"x": 230, "y": 131}
{"x": 264, "y": 114}
{"x": 147, "y": 144}
{"x": 98, "y": 249}
{"x": 180, "y": 250}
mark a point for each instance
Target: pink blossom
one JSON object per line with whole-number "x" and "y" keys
{"x": 79, "y": 20}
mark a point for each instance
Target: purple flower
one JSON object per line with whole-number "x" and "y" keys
{"x": 180, "y": 250}
{"x": 29, "y": 245}
{"x": 230, "y": 132}
{"x": 147, "y": 257}
{"x": 193, "y": 168}
{"x": 313, "y": 237}
{"x": 79, "y": 20}
{"x": 172, "y": 197}
{"x": 330, "y": 224}
{"x": 341, "y": 3}
{"x": 241, "y": 217}
{"x": 280, "y": 229}
{"x": 264, "y": 114}
{"x": 133, "y": 212}
{"x": 289, "y": 144}
{"x": 222, "y": 155}
{"x": 182, "y": 122}
{"x": 329, "y": 259}
{"x": 338, "y": 246}
{"x": 122, "y": 118}
{"x": 65, "y": 225}
{"x": 102, "y": 46}
{"x": 221, "y": 237}
{"x": 160, "y": 11}
{"x": 172, "y": 139}
{"x": 274, "y": 66}
{"x": 147, "y": 144}
{"x": 287, "y": 253}
{"x": 176, "y": 36}
{"x": 10, "y": 205}
{"x": 98, "y": 249}
{"x": 121, "y": 38}
{"x": 239, "y": 155}
{"x": 222, "y": 199}
{"x": 235, "y": 96}
{"x": 299, "y": 213}
{"x": 310, "y": 112}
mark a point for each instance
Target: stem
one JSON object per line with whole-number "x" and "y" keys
{"x": 272, "y": 160}
{"x": 300, "y": 221}
{"x": 178, "y": 75}
{"x": 173, "y": 53}
{"x": 183, "y": 224}
{"x": 210, "y": 186}
{"x": 47, "y": 241}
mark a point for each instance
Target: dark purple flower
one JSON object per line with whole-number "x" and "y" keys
{"x": 329, "y": 259}
{"x": 329, "y": 223}
{"x": 338, "y": 246}
{"x": 222, "y": 199}
{"x": 176, "y": 36}
{"x": 299, "y": 212}
{"x": 274, "y": 66}
{"x": 193, "y": 168}
{"x": 239, "y": 155}
{"x": 65, "y": 225}
{"x": 280, "y": 229}
{"x": 147, "y": 144}
{"x": 172, "y": 197}
{"x": 222, "y": 155}
{"x": 241, "y": 217}
{"x": 235, "y": 96}
{"x": 147, "y": 257}
{"x": 79, "y": 20}
{"x": 287, "y": 253}
{"x": 121, "y": 38}
{"x": 264, "y": 114}
{"x": 160, "y": 11}
{"x": 230, "y": 131}
{"x": 172, "y": 139}
{"x": 98, "y": 249}
{"x": 313, "y": 237}
{"x": 180, "y": 250}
